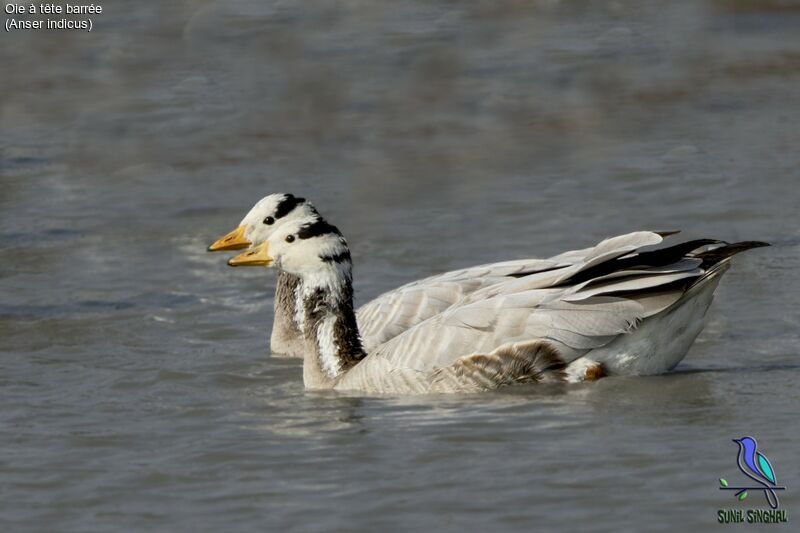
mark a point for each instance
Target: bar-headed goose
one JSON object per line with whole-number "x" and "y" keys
{"x": 611, "y": 309}
{"x": 389, "y": 314}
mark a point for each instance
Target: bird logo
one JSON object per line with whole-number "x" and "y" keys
{"x": 757, "y": 467}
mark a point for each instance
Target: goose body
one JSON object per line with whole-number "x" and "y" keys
{"x": 616, "y": 308}
{"x": 382, "y": 318}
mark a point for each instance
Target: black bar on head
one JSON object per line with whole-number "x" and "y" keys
{"x": 317, "y": 228}
{"x": 287, "y": 205}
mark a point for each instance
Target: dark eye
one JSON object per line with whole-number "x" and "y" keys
{"x": 290, "y": 238}
{"x": 269, "y": 221}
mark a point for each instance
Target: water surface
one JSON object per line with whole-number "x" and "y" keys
{"x": 136, "y": 384}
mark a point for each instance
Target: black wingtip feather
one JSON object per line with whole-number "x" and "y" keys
{"x": 716, "y": 255}
{"x": 653, "y": 258}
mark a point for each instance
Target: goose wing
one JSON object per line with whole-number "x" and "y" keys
{"x": 398, "y": 310}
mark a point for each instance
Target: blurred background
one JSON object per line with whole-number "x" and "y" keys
{"x": 134, "y": 368}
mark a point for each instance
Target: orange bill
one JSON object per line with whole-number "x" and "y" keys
{"x": 234, "y": 240}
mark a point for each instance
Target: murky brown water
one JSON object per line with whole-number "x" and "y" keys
{"x": 136, "y": 388}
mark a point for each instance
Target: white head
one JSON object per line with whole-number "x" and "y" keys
{"x": 270, "y": 213}
{"x": 307, "y": 247}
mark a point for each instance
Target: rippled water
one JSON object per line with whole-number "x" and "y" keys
{"x": 137, "y": 391}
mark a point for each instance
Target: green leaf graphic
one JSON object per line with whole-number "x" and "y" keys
{"x": 723, "y": 482}
{"x": 742, "y": 496}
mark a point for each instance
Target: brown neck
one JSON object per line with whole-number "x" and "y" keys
{"x": 286, "y": 338}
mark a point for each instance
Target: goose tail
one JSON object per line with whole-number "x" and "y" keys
{"x": 716, "y": 262}
{"x": 721, "y": 253}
